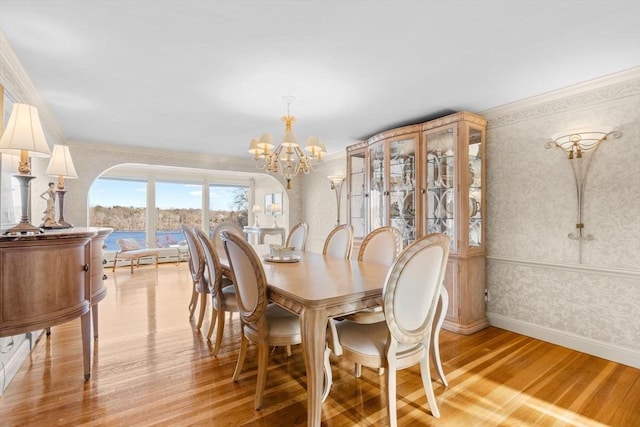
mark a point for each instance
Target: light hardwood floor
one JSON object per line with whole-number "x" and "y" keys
{"x": 151, "y": 367}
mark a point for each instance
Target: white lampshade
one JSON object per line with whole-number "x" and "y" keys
{"x": 61, "y": 163}
{"x": 10, "y": 163}
{"x": 24, "y": 133}
{"x": 253, "y": 147}
{"x": 257, "y": 208}
{"x": 313, "y": 145}
{"x": 289, "y": 139}
{"x": 265, "y": 142}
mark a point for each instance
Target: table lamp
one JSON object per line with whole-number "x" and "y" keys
{"x": 256, "y": 211}
{"x": 275, "y": 210}
{"x": 61, "y": 166}
{"x": 24, "y": 136}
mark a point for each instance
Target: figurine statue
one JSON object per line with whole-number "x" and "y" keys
{"x": 49, "y": 217}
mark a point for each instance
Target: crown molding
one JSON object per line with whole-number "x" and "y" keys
{"x": 20, "y": 88}
{"x": 607, "y": 89}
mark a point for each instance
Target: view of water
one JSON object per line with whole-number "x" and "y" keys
{"x": 163, "y": 238}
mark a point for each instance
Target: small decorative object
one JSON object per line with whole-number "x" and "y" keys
{"x": 49, "y": 218}
{"x": 24, "y": 136}
{"x": 278, "y": 253}
{"x": 61, "y": 166}
{"x": 580, "y": 148}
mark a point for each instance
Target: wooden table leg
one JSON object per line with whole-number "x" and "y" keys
{"x": 85, "y": 321}
{"x": 313, "y": 329}
{"x": 94, "y": 318}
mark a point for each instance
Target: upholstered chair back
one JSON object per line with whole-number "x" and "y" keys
{"x": 297, "y": 237}
{"x": 382, "y": 246}
{"x": 339, "y": 242}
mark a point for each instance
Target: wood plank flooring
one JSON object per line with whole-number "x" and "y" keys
{"x": 152, "y": 367}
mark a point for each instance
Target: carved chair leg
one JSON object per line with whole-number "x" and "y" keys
{"x": 328, "y": 375}
{"x": 203, "y": 308}
{"x": 263, "y": 359}
{"x": 193, "y": 303}
{"x": 241, "y": 356}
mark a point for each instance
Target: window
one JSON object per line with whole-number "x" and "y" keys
{"x": 176, "y": 204}
{"x": 228, "y": 203}
{"x": 122, "y": 205}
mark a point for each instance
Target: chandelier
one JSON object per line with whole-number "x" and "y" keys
{"x": 288, "y": 159}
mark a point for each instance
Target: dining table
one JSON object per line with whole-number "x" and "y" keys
{"x": 317, "y": 287}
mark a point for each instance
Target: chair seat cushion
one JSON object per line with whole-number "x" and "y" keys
{"x": 369, "y": 315}
{"x": 137, "y": 253}
{"x": 230, "y": 302}
{"x": 368, "y": 339}
{"x": 282, "y": 323}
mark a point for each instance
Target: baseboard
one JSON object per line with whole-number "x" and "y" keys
{"x": 10, "y": 367}
{"x": 625, "y": 356}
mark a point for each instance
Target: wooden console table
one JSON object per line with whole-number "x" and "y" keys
{"x": 263, "y": 231}
{"x": 52, "y": 278}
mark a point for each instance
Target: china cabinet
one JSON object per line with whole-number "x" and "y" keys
{"x": 429, "y": 178}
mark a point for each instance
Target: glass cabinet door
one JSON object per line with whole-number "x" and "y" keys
{"x": 357, "y": 202}
{"x": 475, "y": 187}
{"x": 377, "y": 206}
{"x": 402, "y": 180}
{"x": 441, "y": 210}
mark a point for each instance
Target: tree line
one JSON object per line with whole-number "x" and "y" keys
{"x": 133, "y": 219}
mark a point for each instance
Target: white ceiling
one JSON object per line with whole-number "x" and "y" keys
{"x": 207, "y": 76}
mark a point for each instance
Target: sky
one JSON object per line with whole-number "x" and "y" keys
{"x": 114, "y": 192}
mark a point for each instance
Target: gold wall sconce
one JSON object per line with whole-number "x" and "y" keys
{"x": 580, "y": 148}
{"x": 336, "y": 184}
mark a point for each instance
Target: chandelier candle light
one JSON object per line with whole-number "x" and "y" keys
{"x": 288, "y": 158}
{"x": 24, "y": 136}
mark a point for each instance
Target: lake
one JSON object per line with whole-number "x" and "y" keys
{"x": 164, "y": 239}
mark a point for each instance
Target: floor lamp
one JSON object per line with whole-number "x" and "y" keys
{"x": 24, "y": 136}
{"x": 61, "y": 166}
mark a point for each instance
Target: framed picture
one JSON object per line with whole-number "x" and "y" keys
{"x": 272, "y": 201}
{"x": 268, "y": 201}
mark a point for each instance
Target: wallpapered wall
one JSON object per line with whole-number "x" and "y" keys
{"x": 535, "y": 280}
{"x": 536, "y": 284}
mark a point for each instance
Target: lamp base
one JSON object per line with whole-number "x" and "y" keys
{"x": 61, "y": 222}
{"x": 24, "y": 228}
{"x": 57, "y": 226}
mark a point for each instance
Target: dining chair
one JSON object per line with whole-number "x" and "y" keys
{"x": 198, "y": 274}
{"x": 339, "y": 242}
{"x": 382, "y": 246}
{"x": 410, "y": 298}
{"x": 223, "y": 294}
{"x": 224, "y": 226}
{"x": 297, "y": 237}
{"x": 262, "y": 323}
